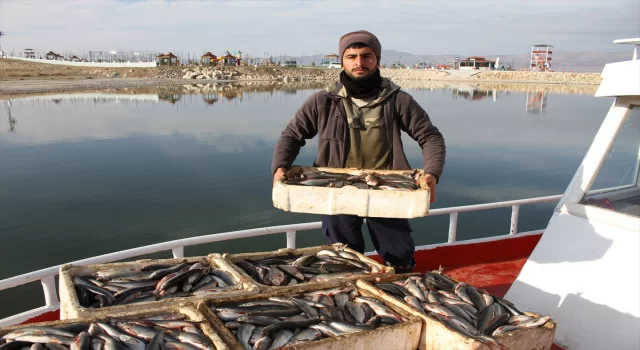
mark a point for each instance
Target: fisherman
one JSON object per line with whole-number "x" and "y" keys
{"x": 358, "y": 122}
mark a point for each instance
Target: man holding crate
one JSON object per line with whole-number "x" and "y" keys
{"x": 358, "y": 123}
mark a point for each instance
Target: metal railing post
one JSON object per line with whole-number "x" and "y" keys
{"x": 49, "y": 289}
{"x": 515, "y": 210}
{"x": 178, "y": 252}
{"x": 453, "y": 227}
{"x": 291, "y": 239}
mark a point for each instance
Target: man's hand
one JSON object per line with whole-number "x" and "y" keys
{"x": 430, "y": 181}
{"x": 278, "y": 174}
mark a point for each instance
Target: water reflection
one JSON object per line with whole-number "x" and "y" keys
{"x": 536, "y": 102}
{"x": 12, "y": 120}
{"x": 99, "y": 171}
{"x": 251, "y": 111}
{"x": 473, "y": 93}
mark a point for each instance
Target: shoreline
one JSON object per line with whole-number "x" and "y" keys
{"x": 28, "y": 78}
{"x": 15, "y": 88}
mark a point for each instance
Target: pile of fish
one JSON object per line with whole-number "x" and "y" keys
{"x": 466, "y": 309}
{"x": 151, "y": 282}
{"x": 358, "y": 179}
{"x": 292, "y": 269}
{"x": 166, "y": 332}
{"x": 278, "y": 321}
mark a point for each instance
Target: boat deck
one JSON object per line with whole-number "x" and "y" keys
{"x": 491, "y": 265}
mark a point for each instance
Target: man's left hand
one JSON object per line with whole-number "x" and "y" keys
{"x": 430, "y": 181}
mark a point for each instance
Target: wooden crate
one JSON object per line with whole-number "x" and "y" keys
{"x": 352, "y": 201}
{"x": 438, "y": 336}
{"x": 400, "y": 336}
{"x": 231, "y": 259}
{"x": 70, "y": 306}
{"x": 187, "y": 309}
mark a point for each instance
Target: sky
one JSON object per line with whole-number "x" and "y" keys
{"x": 313, "y": 27}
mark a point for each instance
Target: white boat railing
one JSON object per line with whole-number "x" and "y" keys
{"x": 47, "y": 276}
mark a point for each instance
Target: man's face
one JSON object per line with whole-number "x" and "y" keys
{"x": 359, "y": 63}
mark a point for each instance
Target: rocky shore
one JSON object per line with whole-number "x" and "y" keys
{"x": 319, "y": 74}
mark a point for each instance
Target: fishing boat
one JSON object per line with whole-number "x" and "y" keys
{"x": 564, "y": 270}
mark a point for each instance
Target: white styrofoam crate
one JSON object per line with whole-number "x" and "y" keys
{"x": 351, "y": 201}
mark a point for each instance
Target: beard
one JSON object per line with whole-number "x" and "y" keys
{"x": 369, "y": 72}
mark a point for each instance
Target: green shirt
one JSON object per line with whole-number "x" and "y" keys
{"x": 368, "y": 146}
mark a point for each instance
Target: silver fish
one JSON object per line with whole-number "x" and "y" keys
{"x": 109, "y": 343}
{"x": 519, "y": 319}
{"x": 326, "y": 253}
{"x": 327, "y": 330}
{"x": 56, "y": 339}
{"x": 432, "y": 298}
{"x": 536, "y": 322}
{"x": 437, "y": 309}
{"x": 178, "y": 346}
{"x": 350, "y": 328}
{"x": 37, "y": 331}
{"x": 309, "y": 334}
{"x": 329, "y": 276}
{"x": 244, "y": 333}
{"x": 460, "y": 312}
{"x": 332, "y": 291}
{"x": 198, "y": 341}
{"x": 264, "y": 343}
{"x": 348, "y": 255}
{"x": 341, "y": 299}
{"x": 258, "y": 320}
{"x": 81, "y": 342}
{"x": 380, "y": 309}
{"x": 137, "y": 330}
{"x": 281, "y": 338}
{"x": 415, "y": 303}
{"x": 356, "y": 311}
{"x": 488, "y": 299}
{"x": 461, "y": 291}
{"x": 130, "y": 341}
{"x": 413, "y": 288}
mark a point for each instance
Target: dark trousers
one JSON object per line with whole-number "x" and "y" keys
{"x": 391, "y": 237}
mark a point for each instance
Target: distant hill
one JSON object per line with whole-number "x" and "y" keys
{"x": 562, "y": 60}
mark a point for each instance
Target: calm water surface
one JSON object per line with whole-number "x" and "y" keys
{"x": 93, "y": 173}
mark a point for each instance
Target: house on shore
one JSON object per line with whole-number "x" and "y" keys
{"x": 168, "y": 59}
{"x": 475, "y": 63}
{"x": 208, "y": 59}
{"x": 328, "y": 59}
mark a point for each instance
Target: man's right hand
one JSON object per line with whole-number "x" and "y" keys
{"x": 278, "y": 174}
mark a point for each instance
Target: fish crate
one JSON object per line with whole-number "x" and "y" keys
{"x": 403, "y": 335}
{"x": 70, "y": 306}
{"x": 188, "y": 310}
{"x": 349, "y": 200}
{"x": 233, "y": 259}
{"x": 437, "y": 335}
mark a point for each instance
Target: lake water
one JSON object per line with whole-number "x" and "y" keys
{"x": 93, "y": 173}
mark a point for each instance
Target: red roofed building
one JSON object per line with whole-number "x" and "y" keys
{"x": 475, "y": 63}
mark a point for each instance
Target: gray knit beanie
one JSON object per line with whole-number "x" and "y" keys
{"x": 361, "y": 36}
